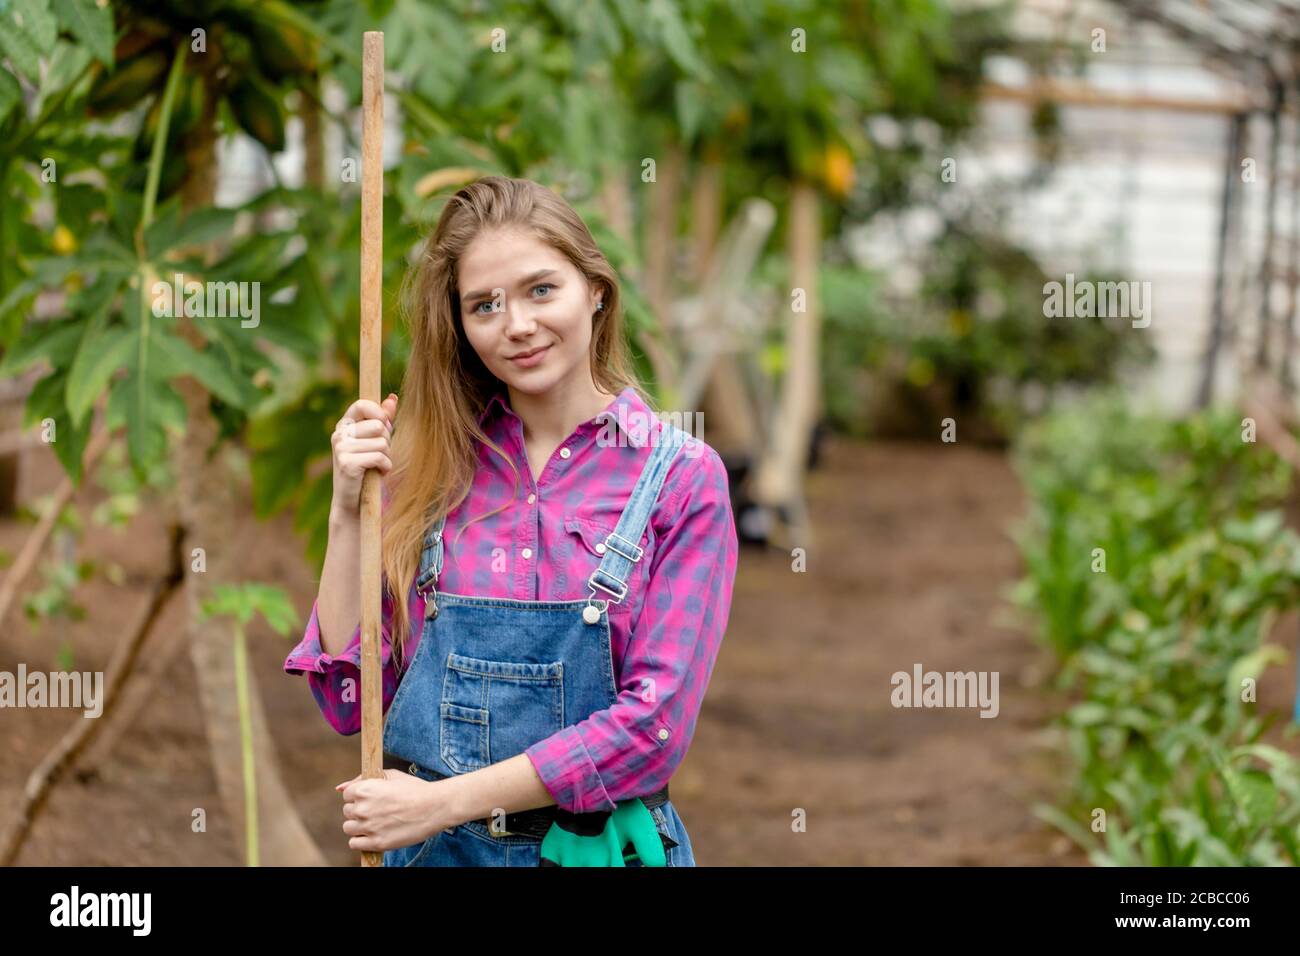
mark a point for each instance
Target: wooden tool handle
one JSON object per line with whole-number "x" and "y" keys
{"x": 372, "y": 286}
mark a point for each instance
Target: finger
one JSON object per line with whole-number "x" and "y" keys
{"x": 366, "y": 428}
{"x": 372, "y": 459}
{"x": 340, "y": 786}
{"x": 365, "y": 408}
{"x": 355, "y": 446}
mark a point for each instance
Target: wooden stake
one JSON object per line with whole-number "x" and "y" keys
{"x": 372, "y": 281}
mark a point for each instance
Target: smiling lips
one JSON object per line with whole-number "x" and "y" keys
{"x": 529, "y": 359}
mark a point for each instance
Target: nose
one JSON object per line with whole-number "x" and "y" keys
{"x": 519, "y": 318}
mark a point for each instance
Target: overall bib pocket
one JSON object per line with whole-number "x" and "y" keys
{"x": 492, "y": 710}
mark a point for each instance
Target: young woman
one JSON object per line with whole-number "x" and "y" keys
{"x": 569, "y": 558}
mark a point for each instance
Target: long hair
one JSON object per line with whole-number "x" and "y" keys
{"x": 446, "y": 385}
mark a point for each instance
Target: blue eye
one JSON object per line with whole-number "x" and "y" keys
{"x": 478, "y": 307}
{"x": 543, "y": 285}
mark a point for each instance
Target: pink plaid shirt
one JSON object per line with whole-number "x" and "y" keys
{"x": 542, "y": 545}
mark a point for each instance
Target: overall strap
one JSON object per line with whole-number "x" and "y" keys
{"x": 431, "y": 556}
{"x": 621, "y": 545}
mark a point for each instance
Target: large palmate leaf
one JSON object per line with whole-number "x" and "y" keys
{"x": 91, "y": 24}
{"x": 27, "y": 33}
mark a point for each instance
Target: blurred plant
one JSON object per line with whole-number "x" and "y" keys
{"x": 53, "y": 599}
{"x": 1155, "y": 570}
{"x": 241, "y": 603}
{"x": 967, "y": 338}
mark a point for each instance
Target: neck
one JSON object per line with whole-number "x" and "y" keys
{"x": 553, "y": 415}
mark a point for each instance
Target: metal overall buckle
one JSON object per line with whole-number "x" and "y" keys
{"x": 431, "y": 594}
{"x": 609, "y": 543}
{"x": 591, "y": 613}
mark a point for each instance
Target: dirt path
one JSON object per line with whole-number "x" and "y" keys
{"x": 908, "y": 567}
{"x": 910, "y": 559}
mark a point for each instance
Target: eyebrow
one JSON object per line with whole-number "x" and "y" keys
{"x": 532, "y": 277}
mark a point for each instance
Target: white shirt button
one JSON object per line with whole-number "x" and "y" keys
{"x": 532, "y": 498}
{"x": 600, "y": 547}
{"x": 527, "y": 553}
{"x": 663, "y": 734}
{"x": 565, "y": 453}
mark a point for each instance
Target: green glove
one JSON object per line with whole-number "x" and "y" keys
{"x": 635, "y": 826}
{"x": 581, "y": 839}
{"x": 605, "y": 838}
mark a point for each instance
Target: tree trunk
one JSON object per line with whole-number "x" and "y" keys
{"x": 779, "y": 483}
{"x": 728, "y": 413}
{"x": 706, "y": 211}
{"x": 660, "y": 248}
{"x": 11, "y": 415}
{"x": 615, "y": 202}
{"x": 313, "y": 134}
{"x": 205, "y": 503}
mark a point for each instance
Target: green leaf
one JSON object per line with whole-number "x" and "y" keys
{"x": 69, "y": 440}
{"x": 200, "y": 227}
{"x": 95, "y": 303}
{"x": 55, "y": 342}
{"x": 1067, "y": 824}
{"x": 204, "y": 226}
{"x": 1254, "y": 793}
{"x": 275, "y": 606}
{"x": 672, "y": 33}
{"x": 131, "y": 404}
{"x": 100, "y": 356}
{"x": 65, "y": 66}
{"x": 1252, "y": 665}
{"x": 134, "y": 398}
{"x": 242, "y": 601}
{"x": 53, "y": 270}
{"x": 91, "y": 24}
{"x": 1087, "y": 714}
{"x": 10, "y": 93}
{"x": 158, "y": 234}
{"x": 690, "y": 109}
{"x": 183, "y": 359}
{"x": 283, "y": 443}
{"x": 27, "y": 32}
{"x": 36, "y": 21}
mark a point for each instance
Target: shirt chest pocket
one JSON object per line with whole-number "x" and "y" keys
{"x": 593, "y": 538}
{"x": 492, "y": 710}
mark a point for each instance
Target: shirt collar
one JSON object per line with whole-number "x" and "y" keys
{"x": 497, "y": 401}
{"x": 628, "y": 412}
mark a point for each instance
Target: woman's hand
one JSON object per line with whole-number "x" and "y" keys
{"x": 360, "y": 442}
{"x": 393, "y": 811}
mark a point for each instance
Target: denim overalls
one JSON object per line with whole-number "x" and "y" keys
{"x": 492, "y": 676}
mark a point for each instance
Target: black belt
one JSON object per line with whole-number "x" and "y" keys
{"x": 529, "y": 823}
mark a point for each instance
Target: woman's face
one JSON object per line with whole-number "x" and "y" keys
{"x": 526, "y": 310}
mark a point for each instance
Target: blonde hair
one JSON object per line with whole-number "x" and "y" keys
{"x": 446, "y": 385}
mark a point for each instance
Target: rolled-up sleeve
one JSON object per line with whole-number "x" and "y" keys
{"x": 632, "y": 747}
{"x": 335, "y": 680}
